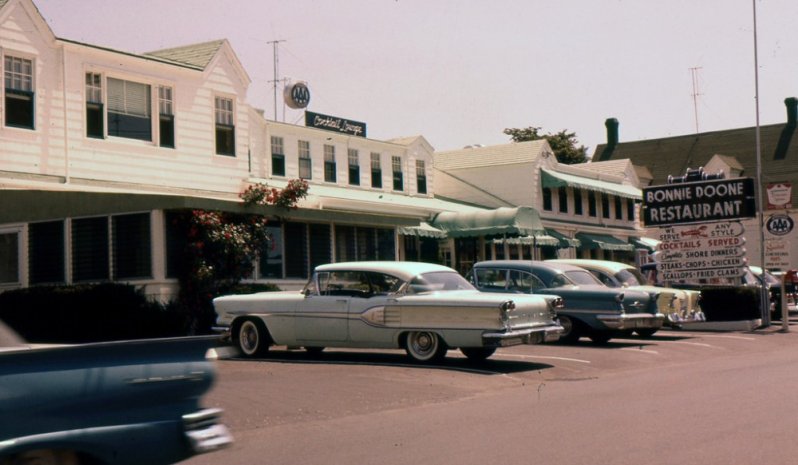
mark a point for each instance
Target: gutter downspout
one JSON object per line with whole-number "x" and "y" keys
{"x": 66, "y": 120}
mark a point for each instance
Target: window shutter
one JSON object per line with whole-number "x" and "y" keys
{"x": 90, "y": 249}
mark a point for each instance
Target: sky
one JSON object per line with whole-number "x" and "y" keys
{"x": 459, "y": 72}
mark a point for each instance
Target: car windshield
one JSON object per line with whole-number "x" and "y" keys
{"x": 439, "y": 281}
{"x": 631, "y": 277}
{"x": 582, "y": 277}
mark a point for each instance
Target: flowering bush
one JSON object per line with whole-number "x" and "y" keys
{"x": 261, "y": 194}
{"x": 221, "y": 248}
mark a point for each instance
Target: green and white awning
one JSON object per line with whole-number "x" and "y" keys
{"x": 553, "y": 180}
{"x": 422, "y": 230}
{"x": 646, "y": 243}
{"x": 519, "y": 221}
{"x": 604, "y": 242}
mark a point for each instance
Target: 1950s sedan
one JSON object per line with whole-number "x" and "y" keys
{"x": 126, "y": 402}
{"x": 421, "y": 307}
{"x": 591, "y": 309}
{"x": 680, "y": 306}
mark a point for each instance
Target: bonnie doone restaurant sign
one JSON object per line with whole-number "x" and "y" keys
{"x": 698, "y": 202}
{"x": 701, "y": 237}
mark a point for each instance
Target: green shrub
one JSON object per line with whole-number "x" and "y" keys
{"x": 88, "y": 313}
{"x": 730, "y": 303}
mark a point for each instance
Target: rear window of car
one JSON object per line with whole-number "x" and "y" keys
{"x": 631, "y": 277}
{"x": 582, "y": 277}
{"x": 439, "y": 281}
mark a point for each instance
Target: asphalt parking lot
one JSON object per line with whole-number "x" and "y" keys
{"x": 370, "y": 406}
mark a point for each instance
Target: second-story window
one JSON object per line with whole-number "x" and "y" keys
{"x": 329, "y": 163}
{"x": 605, "y": 205}
{"x": 562, "y": 198}
{"x": 630, "y": 209}
{"x": 591, "y": 203}
{"x": 94, "y": 106}
{"x": 547, "y": 199}
{"x": 129, "y": 109}
{"x": 225, "y": 127}
{"x": 421, "y": 177}
{"x": 398, "y": 175}
{"x": 354, "y": 167}
{"x": 577, "y": 201}
{"x": 278, "y": 156}
{"x": 305, "y": 166}
{"x": 376, "y": 171}
{"x": 19, "y": 100}
{"x": 166, "y": 117}
{"x": 618, "y": 208}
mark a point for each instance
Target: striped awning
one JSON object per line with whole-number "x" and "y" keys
{"x": 553, "y": 180}
{"x": 604, "y": 242}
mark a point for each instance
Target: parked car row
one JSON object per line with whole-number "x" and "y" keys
{"x": 427, "y": 309}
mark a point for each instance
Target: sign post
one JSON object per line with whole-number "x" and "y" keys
{"x": 702, "y": 237}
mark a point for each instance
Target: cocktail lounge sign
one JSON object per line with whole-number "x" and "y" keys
{"x": 335, "y": 124}
{"x": 697, "y": 202}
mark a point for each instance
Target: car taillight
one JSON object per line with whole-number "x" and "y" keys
{"x": 557, "y": 305}
{"x": 505, "y": 309}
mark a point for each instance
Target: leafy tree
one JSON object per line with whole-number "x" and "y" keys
{"x": 563, "y": 143}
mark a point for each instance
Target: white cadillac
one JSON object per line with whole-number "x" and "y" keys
{"x": 421, "y": 307}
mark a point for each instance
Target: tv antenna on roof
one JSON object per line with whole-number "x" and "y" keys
{"x": 696, "y": 93}
{"x": 275, "y": 44}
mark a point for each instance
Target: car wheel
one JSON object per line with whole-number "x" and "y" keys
{"x": 600, "y": 337}
{"x": 476, "y": 354}
{"x": 570, "y": 332}
{"x": 252, "y": 338}
{"x": 648, "y": 332}
{"x": 314, "y": 350}
{"x": 425, "y": 346}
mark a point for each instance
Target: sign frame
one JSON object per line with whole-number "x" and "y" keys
{"x": 698, "y": 202}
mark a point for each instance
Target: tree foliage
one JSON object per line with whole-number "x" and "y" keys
{"x": 563, "y": 143}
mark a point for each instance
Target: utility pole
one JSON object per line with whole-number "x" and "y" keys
{"x": 275, "y": 44}
{"x": 696, "y": 93}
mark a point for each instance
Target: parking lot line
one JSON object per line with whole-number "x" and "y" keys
{"x": 546, "y": 357}
{"x": 699, "y": 344}
{"x": 644, "y": 351}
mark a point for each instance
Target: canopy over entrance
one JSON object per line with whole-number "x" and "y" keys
{"x": 518, "y": 221}
{"x": 604, "y": 242}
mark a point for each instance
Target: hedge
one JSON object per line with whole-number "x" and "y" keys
{"x": 96, "y": 313}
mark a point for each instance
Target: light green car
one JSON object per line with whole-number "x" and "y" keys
{"x": 680, "y": 306}
{"x": 421, "y": 307}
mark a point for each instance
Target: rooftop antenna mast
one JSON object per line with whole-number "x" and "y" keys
{"x": 275, "y": 44}
{"x": 696, "y": 93}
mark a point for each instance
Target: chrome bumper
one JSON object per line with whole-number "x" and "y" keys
{"x": 624, "y": 321}
{"x": 538, "y": 335}
{"x": 680, "y": 318}
{"x": 204, "y": 432}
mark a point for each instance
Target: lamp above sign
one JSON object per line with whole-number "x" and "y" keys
{"x": 335, "y": 124}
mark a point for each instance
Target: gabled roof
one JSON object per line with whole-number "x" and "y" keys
{"x": 674, "y": 155}
{"x": 197, "y": 55}
{"x": 505, "y": 154}
{"x": 615, "y": 167}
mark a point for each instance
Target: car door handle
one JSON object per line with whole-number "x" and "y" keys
{"x": 342, "y": 300}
